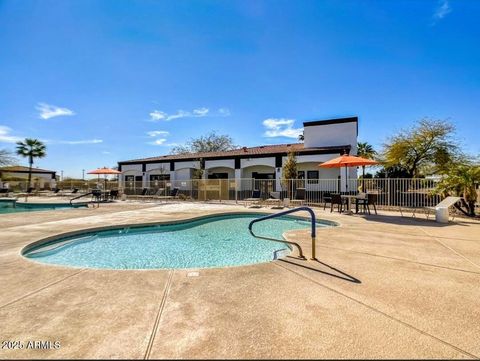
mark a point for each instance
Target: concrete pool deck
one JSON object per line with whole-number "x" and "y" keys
{"x": 384, "y": 287}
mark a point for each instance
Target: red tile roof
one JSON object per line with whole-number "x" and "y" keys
{"x": 252, "y": 151}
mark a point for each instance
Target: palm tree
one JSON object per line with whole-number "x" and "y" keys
{"x": 31, "y": 148}
{"x": 365, "y": 150}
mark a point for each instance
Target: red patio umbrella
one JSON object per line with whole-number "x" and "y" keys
{"x": 105, "y": 171}
{"x": 347, "y": 161}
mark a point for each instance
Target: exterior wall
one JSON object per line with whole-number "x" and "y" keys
{"x": 323, "y": 173}
{"x": 38, "y": 179}
{"x": 188, "y": 164}
{"x": 152, "y": 167}
{"x": 247, "y": 172}
{"x": 230, "y": 171}
{"x": 318, "y": 158}
{"x": 331, "y": 135}
{"x": 183, "y": 174}
{"x": 41, "y": 176}
{"x": 249, "y": 162}
{"x": 225, "y": 163}
{"x": 132, "y": 167}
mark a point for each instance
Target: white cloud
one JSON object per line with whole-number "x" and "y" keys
{"x": 179, "y": 114}
{"x": 75, "y": 142}
{"x": 156, "y": 133}
{"x": 160, "y": 141}
{"x": 201, "y": 112}
{"x": 281, "y": 127}
{"x": 158, "y": 115}
{"x": 6, "y": 137}
{"x": 442, "y": 10}
{"x": 106, "y": 152}
{"x": 48, "y": 111}
{"x": 224, "y": 112}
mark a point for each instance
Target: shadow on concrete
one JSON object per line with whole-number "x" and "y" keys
{"x": 338, "y": 274}
{"x": 410, "y": 221}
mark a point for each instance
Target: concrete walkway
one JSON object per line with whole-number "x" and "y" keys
{"x": 383, "y": 287}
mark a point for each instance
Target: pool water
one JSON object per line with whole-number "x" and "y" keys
{"x": 7, "y": 207}
{"x": 216, "y": 241}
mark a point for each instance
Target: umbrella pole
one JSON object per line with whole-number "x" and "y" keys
{"x": 346, "y": 179}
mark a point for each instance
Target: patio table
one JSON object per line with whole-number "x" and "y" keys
{"x": 349, "y": 202}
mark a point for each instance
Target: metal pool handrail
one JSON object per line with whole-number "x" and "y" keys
{"x": 80, "y": 196}
{"x": 275, "y": 215}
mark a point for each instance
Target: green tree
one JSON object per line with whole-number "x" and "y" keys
{"x": 6, "y": 158}
{"x": 426, "y": 148}
{"x": 31, "y": 149}
{"x": 289, "y": 170}
{"x": 212, "y": 142}
{"x": 461, "y": 180}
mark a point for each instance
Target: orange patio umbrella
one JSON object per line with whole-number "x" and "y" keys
{"x": 105, "y": 171}
{"x": 347, "y": 161}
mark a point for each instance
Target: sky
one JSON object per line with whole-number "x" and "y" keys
{"x": 103, "y": 81}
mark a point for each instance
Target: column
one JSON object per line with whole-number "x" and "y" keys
{"x": 278, "y": 178}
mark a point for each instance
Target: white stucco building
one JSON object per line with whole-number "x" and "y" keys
{"x": 323, "y": 140}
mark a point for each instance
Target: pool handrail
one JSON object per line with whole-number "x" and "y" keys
{"x": 283, "y": 213}
{"x": 80, "y": 196}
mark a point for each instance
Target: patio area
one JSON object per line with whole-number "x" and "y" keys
{"x": 384, "y": 287}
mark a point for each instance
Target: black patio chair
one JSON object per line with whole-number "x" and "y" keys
{"x": 97, "y": 195}
{"x": 327, "y": 198}
{"x": 338, "y": 201}
{"x": 113, "y": 194}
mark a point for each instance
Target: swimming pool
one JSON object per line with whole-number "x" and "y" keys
{"x": 213, "y": 241}
{"x": 11, "y": 206}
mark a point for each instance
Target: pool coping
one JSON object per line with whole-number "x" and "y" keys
{"x": 85, "y": 231}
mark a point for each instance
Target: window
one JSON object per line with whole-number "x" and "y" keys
{"x": 301, "y": 174}
{"x": 312, "y": 177}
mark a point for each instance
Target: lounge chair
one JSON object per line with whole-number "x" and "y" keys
{"x": 446, "y": 203}
{"x": 27, "y": 193}
{"x": 160, "y": 192}
{"x": 144, "y": 194}
{"x": 274, "y": 200}
{"x": 173, "y": 194}
{"x": 299, "y": 196}
{"x": 72, "y": 192}
{"x": 255, "y": 199}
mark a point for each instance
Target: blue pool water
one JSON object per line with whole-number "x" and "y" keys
{"x": 216, "y": 241}
{"x": 10, "y": 207}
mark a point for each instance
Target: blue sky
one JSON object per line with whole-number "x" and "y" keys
{"x": 102, "y": 81}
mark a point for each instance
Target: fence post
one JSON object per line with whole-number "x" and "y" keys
{"x": 388, "y": 193}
